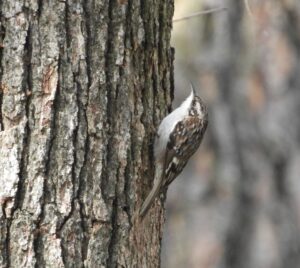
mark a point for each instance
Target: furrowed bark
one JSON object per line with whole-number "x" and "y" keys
{"x": 83, "y": 86}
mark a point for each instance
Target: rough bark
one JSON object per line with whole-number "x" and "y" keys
{"x": 83, "y": 86}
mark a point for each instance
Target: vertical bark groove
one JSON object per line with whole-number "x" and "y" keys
{"x": 81, "y": 111}
{"x": 2, "y": 36}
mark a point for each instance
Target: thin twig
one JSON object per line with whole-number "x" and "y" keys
{"x": 248, "y": 8}
{"x": 203, "y": 12}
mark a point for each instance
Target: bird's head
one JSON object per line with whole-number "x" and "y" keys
{"x": 197, "y": 105}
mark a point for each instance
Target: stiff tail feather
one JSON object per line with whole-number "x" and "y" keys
{"x": 158, "y": 181}
{"x": 150, "y": 198}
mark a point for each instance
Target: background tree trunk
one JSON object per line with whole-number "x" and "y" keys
{"x": 242, "y": 206}
{"x": 83, "y": 86}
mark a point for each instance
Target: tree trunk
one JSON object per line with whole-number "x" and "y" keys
{"x": 84, "y": 85}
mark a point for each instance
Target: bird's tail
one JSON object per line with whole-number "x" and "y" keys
{"x": 150, "y": 198}
{"x": 158, "y": 181}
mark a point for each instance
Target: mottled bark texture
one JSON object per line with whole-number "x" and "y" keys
{"x": 84, "y": 85}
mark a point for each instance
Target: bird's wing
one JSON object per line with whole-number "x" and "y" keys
{"x": 183, "y": 143}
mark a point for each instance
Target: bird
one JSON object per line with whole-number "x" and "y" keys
{"x": 178, "y": 137}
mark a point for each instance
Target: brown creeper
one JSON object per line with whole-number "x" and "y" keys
{"x": 178, "y": 137}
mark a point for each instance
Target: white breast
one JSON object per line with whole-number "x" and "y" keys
{"x": 168, "y": 123}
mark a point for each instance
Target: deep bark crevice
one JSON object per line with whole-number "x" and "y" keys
{"x": 88, "y": 35}
{"x": 113, "y": 238}
{"x": 27, "y": 87}
{"x": 2, "y": 36}
{"x": 47, "y": 193}
{"x": 40, "y": 9}
{"x": 7, "y": 256}
{"x": 107, "y": 179}
{"x": 86, "y": 31}
{"x": 38, "y": 246}
{"x": 127, "y": 175}
{"x": 83, "y": 222}
{"x": 74, "y": 164}
{"x": 110, "y": 90}
{"x": 67, "y": 24}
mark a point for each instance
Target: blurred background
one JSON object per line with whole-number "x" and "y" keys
{"x": 237, "y": 203}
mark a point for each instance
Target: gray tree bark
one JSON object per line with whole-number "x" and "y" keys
{"x": 83, "y": 86}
